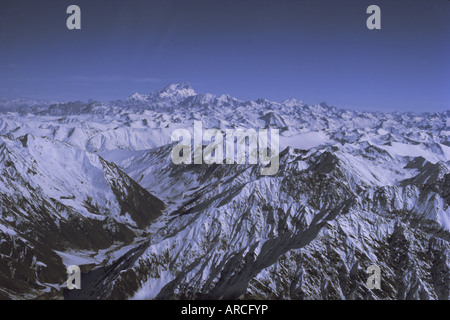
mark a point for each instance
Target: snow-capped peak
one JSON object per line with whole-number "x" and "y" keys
{"x": 177, "y": 91}
{"x": 293, "y": 102}
{"x": 138, "y": 97}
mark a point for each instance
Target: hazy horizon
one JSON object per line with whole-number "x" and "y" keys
{"x": 277, "y": 50}
{"x": 311, "y": 103}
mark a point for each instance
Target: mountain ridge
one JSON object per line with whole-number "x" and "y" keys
{"x": 92, "y": 183}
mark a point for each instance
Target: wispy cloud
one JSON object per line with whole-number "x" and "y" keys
{"x": 109, "y": 78}
{"x": 9, "y": 66}
{"x": 152, "y": 80}
{"x": 93, "y": 78}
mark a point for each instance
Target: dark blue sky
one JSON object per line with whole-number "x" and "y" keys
{"x": 313, "y": 50}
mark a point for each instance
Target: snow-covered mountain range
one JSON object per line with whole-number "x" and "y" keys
{"x": 92, "y": 183}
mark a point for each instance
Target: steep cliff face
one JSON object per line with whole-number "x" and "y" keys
{"x": 94, "y": 185}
